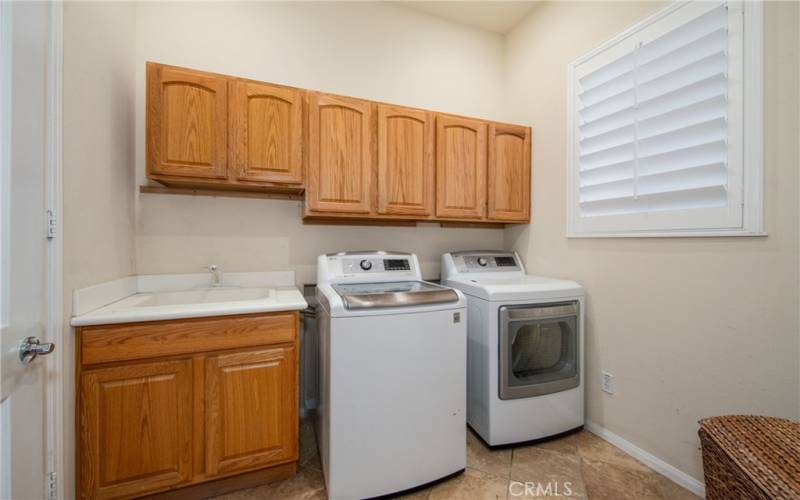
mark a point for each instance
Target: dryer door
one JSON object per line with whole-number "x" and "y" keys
{"x": 539, "y": 351}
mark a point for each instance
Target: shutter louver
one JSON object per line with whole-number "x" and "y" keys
{"x": 653, "y": 126}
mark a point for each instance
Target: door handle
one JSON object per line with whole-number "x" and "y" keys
{"x": 31, "y": 347}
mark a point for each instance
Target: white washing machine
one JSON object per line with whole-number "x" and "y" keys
{"x": 525, "y": 348}
{"x": 393, "y": 361}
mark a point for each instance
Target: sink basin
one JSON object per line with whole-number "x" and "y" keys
{"x": 203, "y": 296}
{"x": 183, "y": 296}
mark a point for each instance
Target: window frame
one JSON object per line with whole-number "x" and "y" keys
{"x": 750, "y": 116}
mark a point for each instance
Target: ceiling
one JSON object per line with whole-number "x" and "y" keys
{"x": 497, "y": 17}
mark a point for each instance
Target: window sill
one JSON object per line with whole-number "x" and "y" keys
{"x": 671, "y": 234}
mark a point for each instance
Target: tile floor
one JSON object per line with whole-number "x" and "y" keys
{"x": 592, "y": 468}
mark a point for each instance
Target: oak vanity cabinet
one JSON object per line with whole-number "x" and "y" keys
{"x": 509, "y": 173}
{"x": 406, "y": 173}
{"x": 187, "y": 124}
{"x": 340, "y": 155}
{"x": 199, "y": 404}
{"x": 460, "y": 168}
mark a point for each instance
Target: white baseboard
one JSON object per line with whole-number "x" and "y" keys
{"x": 648, "y": 459}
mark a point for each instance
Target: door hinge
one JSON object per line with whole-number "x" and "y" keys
{"x": 50, "y": 224}
{"x": 52, "y": 486}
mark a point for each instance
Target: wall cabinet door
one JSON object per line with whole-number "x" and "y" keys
{"x": 136, "y": 429}
{"x": 339, "y": 155}
{"x": 460, "y": 168}
{"x": 251, "y": 409}
{"x": 187, "y": 123}
{"x": 405, "y": 161}
{"x": 267, "y": 127}
{"x": 509, "y": 172}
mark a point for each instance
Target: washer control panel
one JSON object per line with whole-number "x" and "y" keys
{"x": 374, "y": 265}
{"x": 367, "y": 267}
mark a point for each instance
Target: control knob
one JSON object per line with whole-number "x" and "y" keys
{"x": 482, "y": 261}
{"x": 365, "y": 265}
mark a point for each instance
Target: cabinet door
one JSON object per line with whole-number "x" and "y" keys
{"x": 251, "y": 409}
{"x": 339, "y": 154}
{"x": 460, "y": 168}
{"x": 267, "y": 132}
{"x": 509, "y": 172}
{"x": 405, "y": 161}
{"x": 135, "y": 429}
{"x": 187, "y": 123}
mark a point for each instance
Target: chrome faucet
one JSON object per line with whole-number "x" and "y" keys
{"x": 216, "y": 275}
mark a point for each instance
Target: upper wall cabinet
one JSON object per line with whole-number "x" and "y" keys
{"x": 339, "y": 155}
{"x": 405, "y": 161}
{"x": 267, "y": 128}
{"x": 352, "y": 159}
{"x": 213, "y": 131}
{"x": 509, "y": 173}
{"x": 460, "y": 168}
{"x": 187, "y": 123}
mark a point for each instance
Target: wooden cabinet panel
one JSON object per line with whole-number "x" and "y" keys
{"x": 339, "y": 155}
{"x": 509, "y": 172}
{"x": 460, "y": 167}
{"x": 111, "y": 343}
{"x": 251, "y": 409}
{"x": 405, "y": 161}
{"x": 267, "y": 127}
{"x": 187, "y": 123}
{"x": 136, "y": 429}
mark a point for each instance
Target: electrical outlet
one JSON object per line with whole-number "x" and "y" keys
{"x": 608, "y": 383}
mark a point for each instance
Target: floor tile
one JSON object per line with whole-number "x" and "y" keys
{"x": 417, "y": 495}
{"x": 595, "y": 449}
{"x": 605, "y": 481}
{"x": 309, "y": 454}
{"x": 546, "y": 473}
{"x": 471, "y": 485}
{"x": 307, "y": 484}
{"x": 479, "y": 456}
{"x": 671, "y": 490}
{"x": 580, "y": 466}
{"x": 567, "y": 444}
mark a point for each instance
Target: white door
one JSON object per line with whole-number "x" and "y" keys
{"x": 24, "y": 28}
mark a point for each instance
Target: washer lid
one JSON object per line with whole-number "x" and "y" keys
{"x": 525, "y": 287}
{"x": 393, "y": 294}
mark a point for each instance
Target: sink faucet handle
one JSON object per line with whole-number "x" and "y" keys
{"x": 216, "y": 274}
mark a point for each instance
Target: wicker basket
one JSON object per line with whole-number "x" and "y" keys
{"x": 750, "y": 457}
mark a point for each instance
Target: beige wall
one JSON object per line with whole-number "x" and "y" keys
{"x": 98, "y": 217}
{"x": 369, "y": 50}
{"x": 689, "y": 327}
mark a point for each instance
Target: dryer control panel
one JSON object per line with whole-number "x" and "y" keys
{"x": 486, "y": 261}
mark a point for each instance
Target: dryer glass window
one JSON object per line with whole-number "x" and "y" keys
{"x": 539, "y": 350}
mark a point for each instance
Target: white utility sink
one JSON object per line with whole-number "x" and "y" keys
{"x": 151, "y": 298}
{"x": 203, "y": 296}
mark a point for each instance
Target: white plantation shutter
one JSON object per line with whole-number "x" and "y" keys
{"x": 656, "y": 125}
